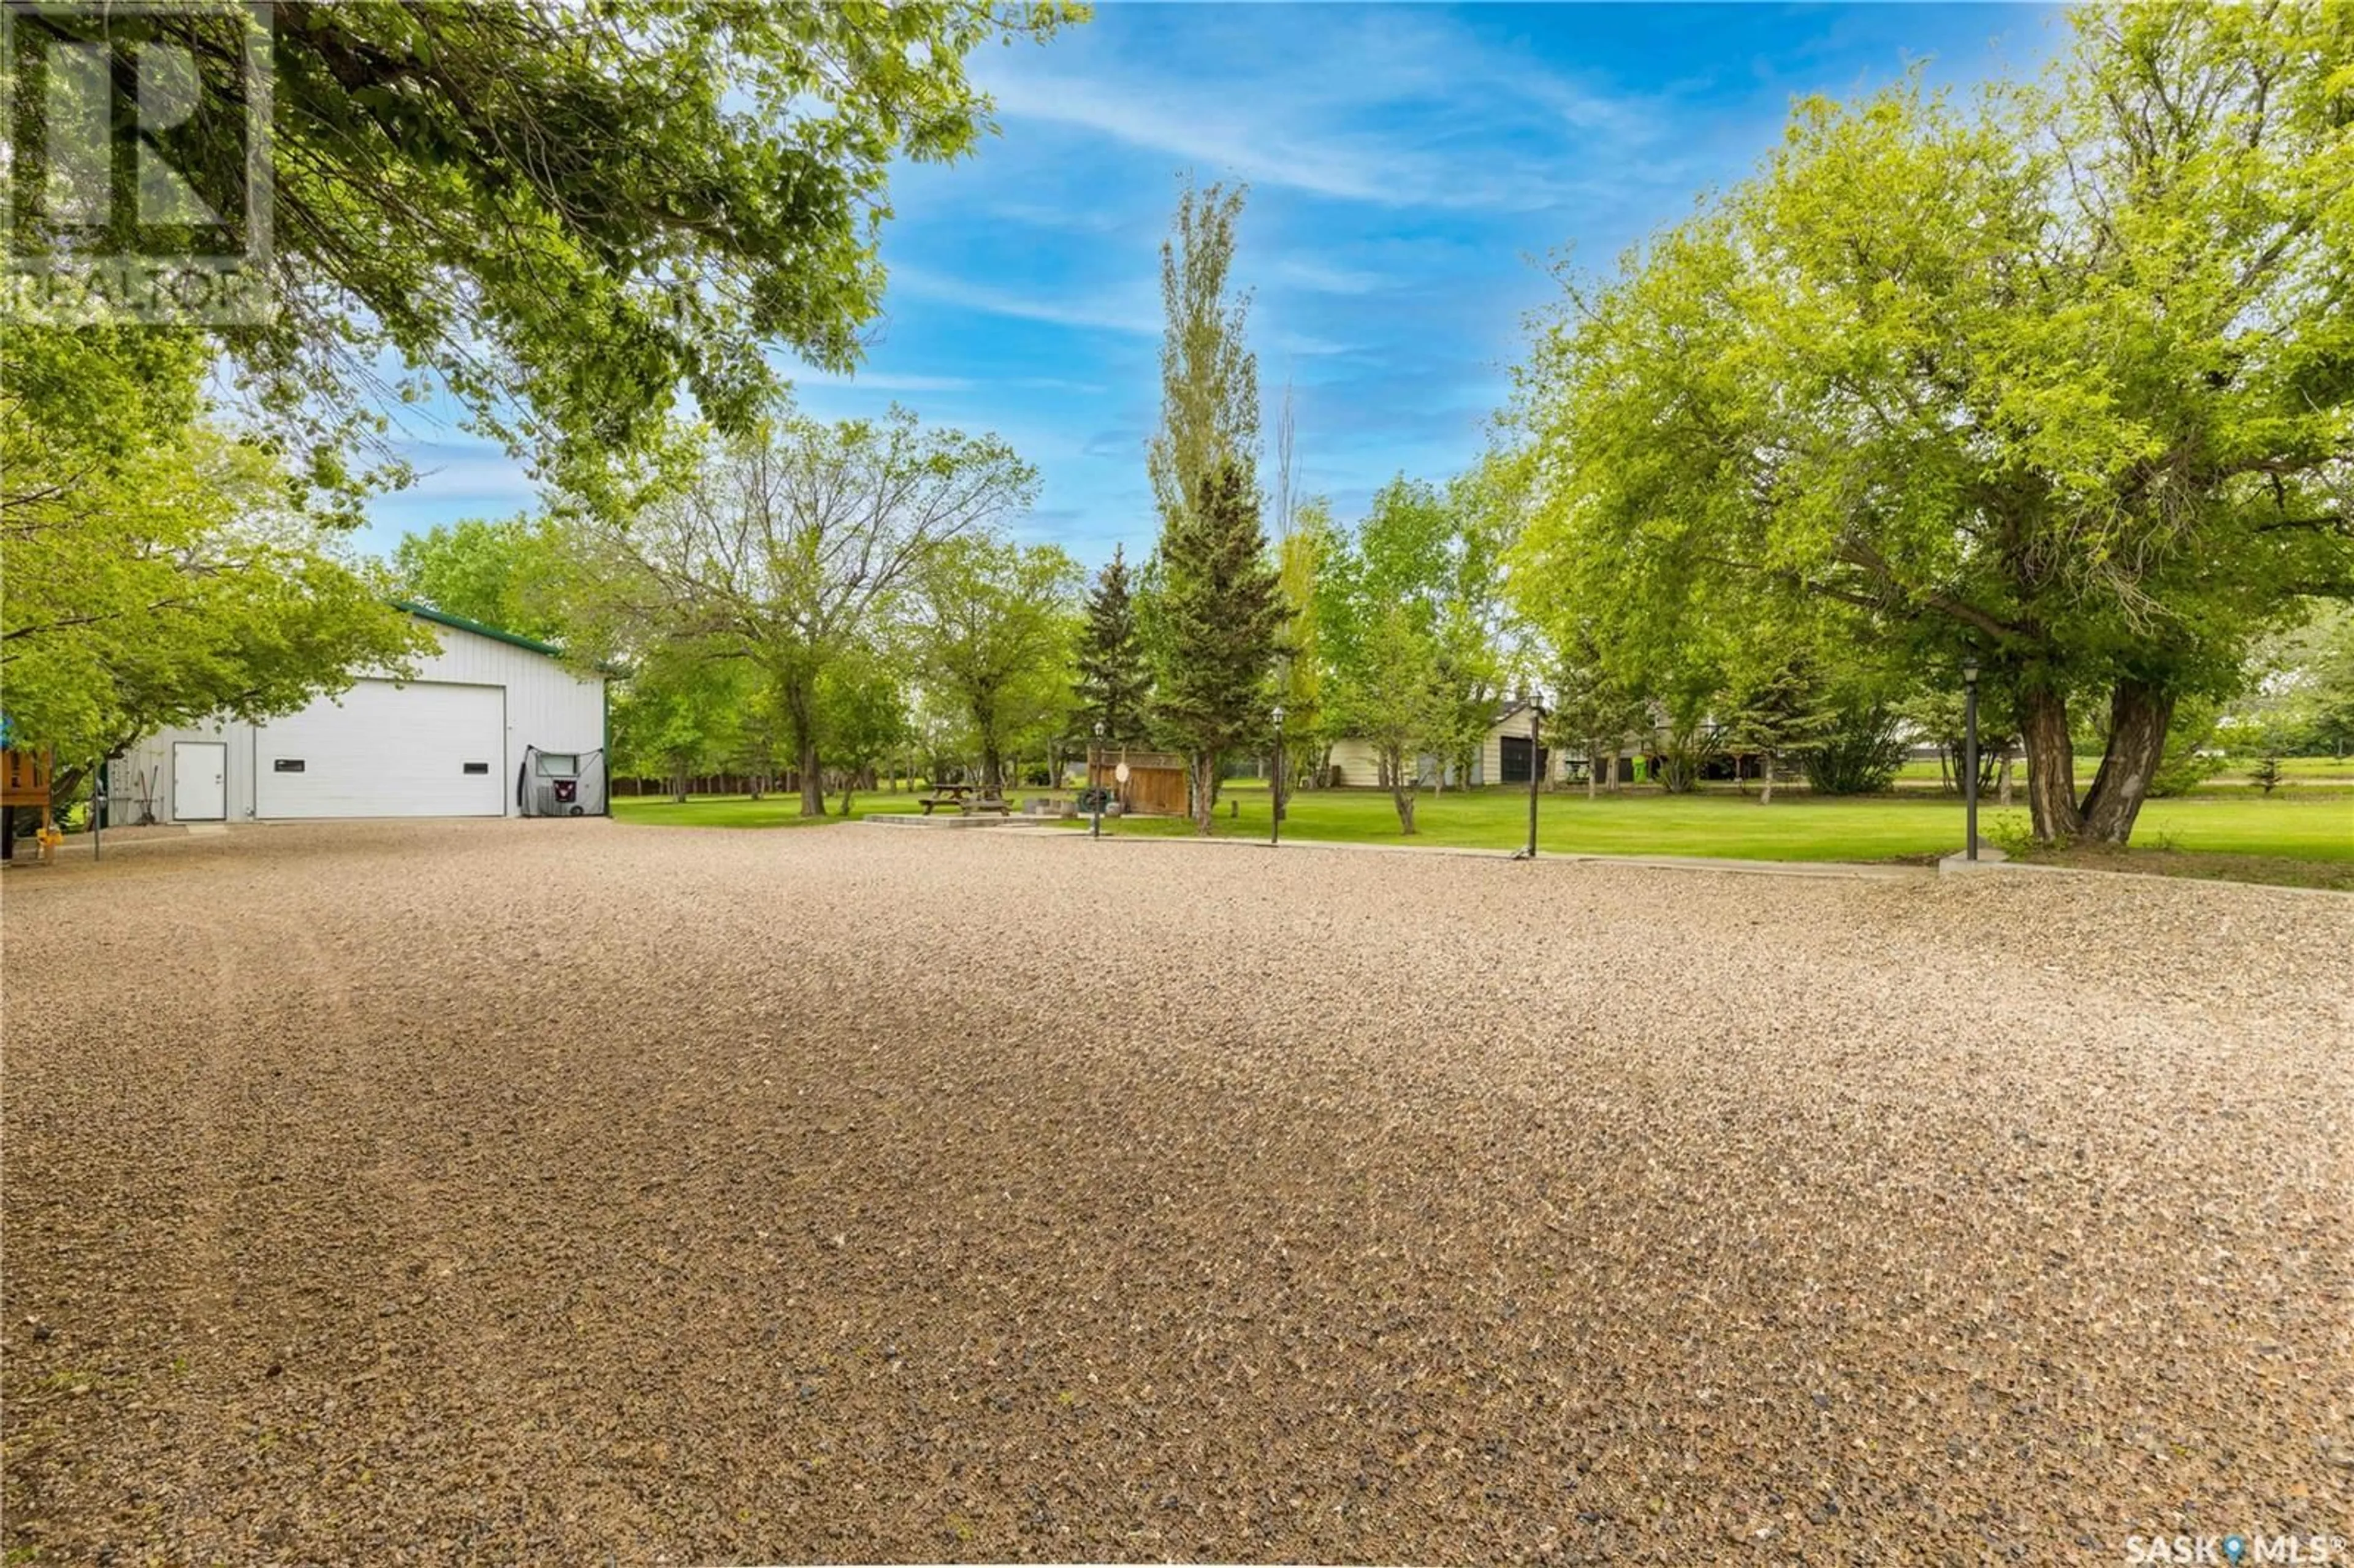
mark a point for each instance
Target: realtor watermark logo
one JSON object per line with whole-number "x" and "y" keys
{"x": 137, "y": 161}
{"x": 2238, "y": 1549}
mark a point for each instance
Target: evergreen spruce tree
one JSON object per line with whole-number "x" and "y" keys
{"x": 1113, "y": 682}
{"x": 1777, "y": 710}
{"x": 1225, "y": 610}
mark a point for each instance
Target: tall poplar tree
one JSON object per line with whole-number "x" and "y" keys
{"x": 1221, "y": 605}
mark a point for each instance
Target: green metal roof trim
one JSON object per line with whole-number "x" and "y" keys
{"x": 427, "y": 612}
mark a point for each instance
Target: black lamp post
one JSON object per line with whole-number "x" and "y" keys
{"x": 1095, "y": 785}
{"x": 1536, "y": 770}
{"x": 1970, "y": 752}
{"x": 1275, "y": 785}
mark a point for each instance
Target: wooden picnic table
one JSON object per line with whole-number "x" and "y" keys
{"x": 956, "y": 795}
{"x": 966, "y": 798}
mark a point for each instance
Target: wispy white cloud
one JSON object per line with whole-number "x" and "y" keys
{"x": 881, "y": 381}
{"x": 1212, "y": 131}
{"x": 1307, "y": 345}
{"x": 1323, "y": 278}
{"x": 1374, "y": 109}
{"x": 970, "y": 293}
{"x": 1071, "y": 218}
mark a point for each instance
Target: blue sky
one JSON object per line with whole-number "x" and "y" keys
{"x": 1412, "y": 169}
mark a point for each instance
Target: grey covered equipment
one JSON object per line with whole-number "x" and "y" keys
{"x": 561, "y": 783}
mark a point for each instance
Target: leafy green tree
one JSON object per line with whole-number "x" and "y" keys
{"x": 1860, "y": 750}
{"x": 795, "y": 546}
{"x": 2194, "y": 752}
{"x": 573, "y": 213}
{"x": 503, "y": 573}
{"x": 865, "y": 703}
{"x": 943, "y": 741}
{"x": 993, "y": 626}
{"x": 1405, "y": 545}
{"x": 1223, "y": 612}
{"x": 762, "y": 752}
{"x": 2329, "y": 691}
{"x": 1690, "y": 737}
{"x": 1114, "y": 683}
{"x": 680, "y": 713}
{"x": 2061, "y": 384}
{"x": 1436, "y": 554}
{"x": 2304, "y": 700}
{"x": 1300, "y": 646}
{"x": 1936, "y": 712}
{"x": 160, "y": 568}
{"x": 1342, "y": 626}
{"x": 1148, "y": 595}
{"x": 1400, "y": 705}
{"x": 1774, "y": 710}
{"x": 1594, "y": 713}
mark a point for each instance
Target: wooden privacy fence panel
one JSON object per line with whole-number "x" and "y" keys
{"x": 1156, "y": 781}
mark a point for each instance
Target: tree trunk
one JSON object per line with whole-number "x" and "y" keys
{"x": 800, "y": 694}
{"x": 2003, "y": 796}
{"x": 993, "y": 771}
{"x": 849, "y": 785}
{"x": 2051, "y": 765}
{"x": 1592, "y": 767}
{"x": 1765, "y": 774}
{"x": 812, "y": 780}
{"x": 1205, "y": 793}
{"x": 1402, "y": 798}
{"x": 2139, "y": 715}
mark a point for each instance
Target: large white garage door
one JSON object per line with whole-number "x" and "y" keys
{"x": 423, "y": 750}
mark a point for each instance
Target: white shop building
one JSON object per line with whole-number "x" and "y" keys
{"x": 1504, "y": 757}
{"x": 491, "y": 725}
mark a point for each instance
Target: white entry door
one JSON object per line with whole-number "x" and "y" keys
{"x": 426, "y": 749}
{"x": 199, "y": 780}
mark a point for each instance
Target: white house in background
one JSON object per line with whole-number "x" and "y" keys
{"x": 1502, "y": 759}
{"x": 448, "y": 742}
{"x": 1506, "y": 749}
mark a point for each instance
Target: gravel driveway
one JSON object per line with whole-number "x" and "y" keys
{"x": 572, "y": 1192}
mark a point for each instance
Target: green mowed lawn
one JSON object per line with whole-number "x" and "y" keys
{"x": 2309, "y": 770}
{"x": 1795, "y": 827}
{"x": 780, "y": 811}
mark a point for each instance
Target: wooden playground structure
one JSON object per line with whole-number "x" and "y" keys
{"x": 24, "y": 780}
